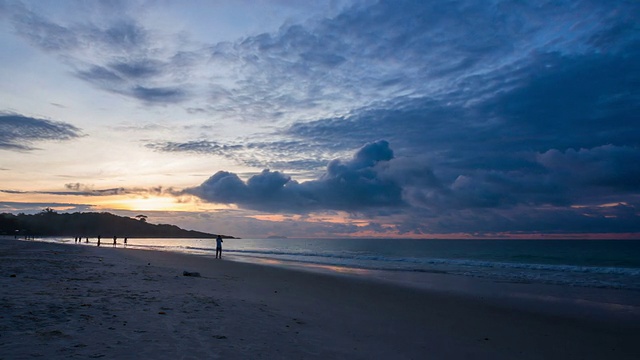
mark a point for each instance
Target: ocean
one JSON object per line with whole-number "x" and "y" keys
{"x": 585, "y": 263}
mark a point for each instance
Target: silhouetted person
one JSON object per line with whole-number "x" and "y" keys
{"x": 114, "y": 240}
{"x": 98, "y": 240}
{"x": 86, "y": 241}
{"x": 219, "y": 247}
{"x": 125, "y": 242}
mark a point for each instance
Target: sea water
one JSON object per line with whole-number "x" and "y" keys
{"x": 585, "y": 263}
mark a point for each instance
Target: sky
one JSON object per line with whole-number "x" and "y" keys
{"x": 415, "y": 119}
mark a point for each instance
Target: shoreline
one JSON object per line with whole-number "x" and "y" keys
{"x": 598, "y": 304}
{"x": 124, "y": 303}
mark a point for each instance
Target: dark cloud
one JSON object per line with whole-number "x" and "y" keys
{"x": 571, "y": 101}
{"x": 503, "y": 148}
{"x": 138, "y": 69}
{"x": 346, "y": 185}
{"x": 557, "y": 102}
{"x": 18, "y": 132}
{"x": 158, "y": 94}
{"x": 582, "y": 187}
{"x": 525, "y": 220}
{"x": 563, "y": 133}
{"x": 609, "y": 168}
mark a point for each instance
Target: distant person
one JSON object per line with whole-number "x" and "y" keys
{"x": 219, "y": 247}
{"x": 114, "y": 240}
{"x": 86, "y": 241}
{"x": 125, "y": 242}
{"x": 98, "y": 240}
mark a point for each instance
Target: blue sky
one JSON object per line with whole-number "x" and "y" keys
{"x": 326, "y": 118}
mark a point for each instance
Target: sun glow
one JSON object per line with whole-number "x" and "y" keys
{"x": 146, "y": 204}
{"x": 157, "y": 203}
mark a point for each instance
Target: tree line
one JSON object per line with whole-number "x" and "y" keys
{"x": 91, "y": 224}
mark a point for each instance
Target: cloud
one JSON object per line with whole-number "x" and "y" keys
{"x": 502, "y": 115}
{"x": 158, "y": 94}
{"x": 291, "y": 155}
{"x": 502, "y": 121}
{"x": 88, "y": 190}
{"x": 114, "y": 53}
{"x": 34, "y": 207}
{"x": 138, "y": 69}
{"x": 18, "y": 132}
{"x": 117, "y": 34}
{"x": 554, "y": 102}
{"x": 518, "y": 92}
{"x": 346, "y": 185}
{"x": 608, "y": 167}
{"x": 197, "y": 147}
{"x": 581, "y": 188}
{"x": 485, "y": 152}
{"x": 574, "y": 101}
{"x": 525, "y": 220}
{"x": 78, "y": 189}
{"x": 368, "y": 53}
{"x": 125, "y": 79}
{"x": 376, "y": 51}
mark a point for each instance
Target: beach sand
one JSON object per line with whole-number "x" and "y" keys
{"x": 77, "y": 301}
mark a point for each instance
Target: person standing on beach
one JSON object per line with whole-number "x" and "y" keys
{"x": 219, "y": 247}
{"x": 114, "y": 240}
{"x": 125, "y": 242}
{"x": 98, "y": 240}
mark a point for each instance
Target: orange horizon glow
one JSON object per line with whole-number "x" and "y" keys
{"x": 160, "y": 203}
{"x": 136, "y": 203}
{"x": 118, "y": 202}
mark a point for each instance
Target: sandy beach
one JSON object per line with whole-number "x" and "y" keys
{"x": 73, "y": 301}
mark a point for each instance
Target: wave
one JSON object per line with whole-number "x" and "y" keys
{"x": 519, "y": 267}
{"x": 420, "y": 264}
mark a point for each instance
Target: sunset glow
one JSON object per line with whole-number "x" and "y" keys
{"x": 323, "y": 119}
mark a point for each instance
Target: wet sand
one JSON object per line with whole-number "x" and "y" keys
{"x": 76, "y": 301}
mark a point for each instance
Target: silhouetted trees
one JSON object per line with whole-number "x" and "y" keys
{"x": 50, "y": 223}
